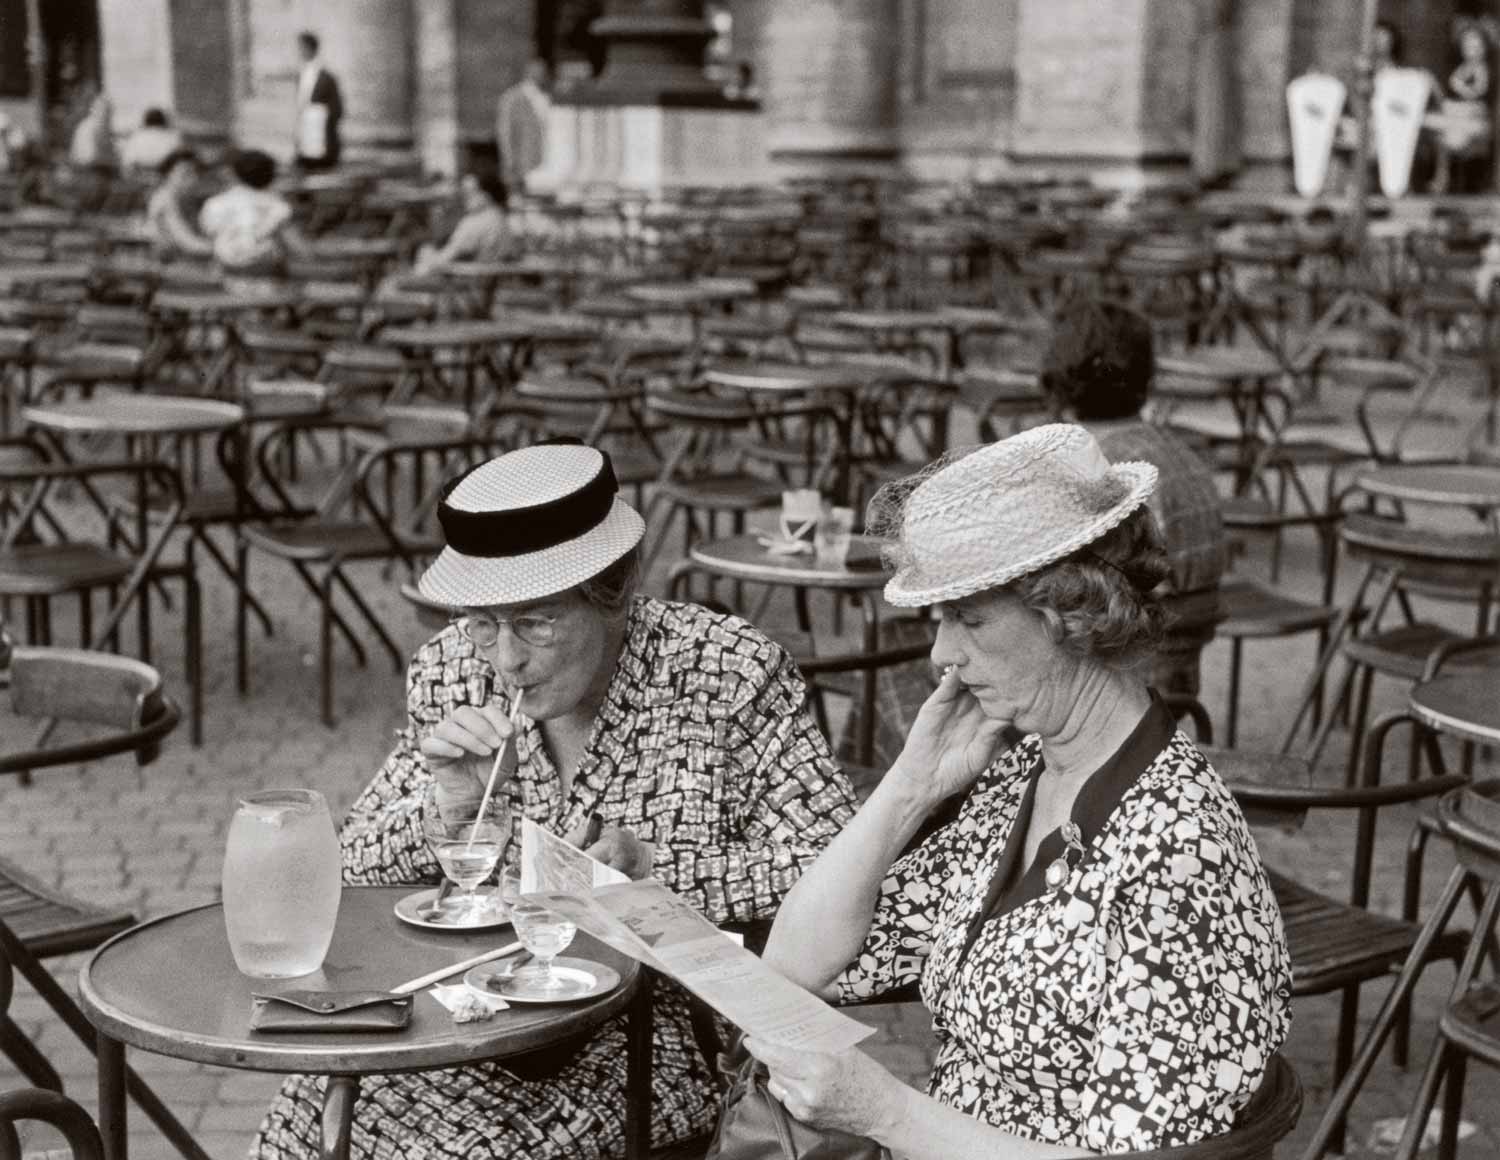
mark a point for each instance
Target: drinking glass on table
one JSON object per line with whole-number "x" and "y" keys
{"x": 281, "y": 882}
{"x": 831, "y": 539}
{"x": 546, "y": 934}
{"x": 467, "y": 844}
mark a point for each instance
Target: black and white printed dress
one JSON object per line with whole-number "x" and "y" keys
{"x": 704, "y": 746}
{"x": 1133, "y": 1007}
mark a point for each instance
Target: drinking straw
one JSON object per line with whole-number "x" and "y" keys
{"x": 484, "y": 804}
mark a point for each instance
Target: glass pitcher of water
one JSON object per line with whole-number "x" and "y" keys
{"x": 281, "y": 883}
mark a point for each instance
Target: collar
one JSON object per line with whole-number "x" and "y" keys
{"x": 1096, "y": 801}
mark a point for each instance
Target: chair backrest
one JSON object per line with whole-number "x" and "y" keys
{"x": 51, "y": 1108}
{"x": 119, "y": 693}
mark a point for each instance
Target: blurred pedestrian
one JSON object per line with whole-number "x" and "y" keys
{"x": 152, "y": 143}
{"x": 320, "y": 108}
{"x": 521, "y": 125}
{"x": 167, "y": 223}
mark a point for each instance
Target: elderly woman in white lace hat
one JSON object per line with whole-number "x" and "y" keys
{"x": 1094, "y": 934}
{"x": 687, "y": 732}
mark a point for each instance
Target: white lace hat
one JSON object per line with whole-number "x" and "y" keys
{"x": 530, "y": 524}
{"x": 1002, "y": 511}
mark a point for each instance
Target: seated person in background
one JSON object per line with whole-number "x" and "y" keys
{"x": 480, "y": 235}
{"x": 1094, "y": 934}
{"x": 251, "y": 226}
{"x": 152, "y": 143}
{"x": 171, "y": 233}
{"x": 687, "y": 731}
{"x": 1097, "y": 369}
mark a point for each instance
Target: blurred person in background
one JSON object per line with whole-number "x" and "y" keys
{"x": 521, "y": 125}
{"x": 481, "y": 234}
{"x": 320, "y": 109}
{"x": 152, "y": 143}
{"x": 168, "y": 225}
{"x": 1097, "y": 369}
{"x": 249, "y": 224}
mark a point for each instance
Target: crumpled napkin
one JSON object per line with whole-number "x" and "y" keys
{"x": 467, "y": 1004}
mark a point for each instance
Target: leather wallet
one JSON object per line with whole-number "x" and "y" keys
{"x": 330, "y": 1011}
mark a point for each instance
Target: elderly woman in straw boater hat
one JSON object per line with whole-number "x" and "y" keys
{"x": 1094, "y": 933}
{"x": 687, "y": 731}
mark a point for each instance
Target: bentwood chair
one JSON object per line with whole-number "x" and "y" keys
{"x": 120, "y": 706}
{"x": 362, "y": 517}
{"x": 48, "y": 1107}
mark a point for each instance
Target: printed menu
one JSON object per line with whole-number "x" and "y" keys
{"x": 651, "y": 924}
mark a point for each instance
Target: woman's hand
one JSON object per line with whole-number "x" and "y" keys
{"x": 950, "y": 744}
{"x": 847, "y": 1092}
{"x": 620, "y": 848}
{"x": 461, "y": 751}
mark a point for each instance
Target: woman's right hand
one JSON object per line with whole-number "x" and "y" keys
{"x": 950, "y": 744}
{"x": 461, "y": 751}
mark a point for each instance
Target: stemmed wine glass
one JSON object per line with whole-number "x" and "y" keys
{"x": 546, "y": 934}
{"x": 467, "y": 845}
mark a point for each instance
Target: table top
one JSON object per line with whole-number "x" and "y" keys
{"x": 777, "y": 376}
{"x": 136, "y": 415}
{"x": 459, "y": 332}
{"x": 743, "y": 558}
{"x": 1456, "y": 485}
{"x": 1460, "y": 704}
{"x": 221, "y": 301}
{"x": 35, "y": 273}
{"x": 171, "y": 986}
{"x": 882, "y": 320}
{"x": 1220, "y": 364}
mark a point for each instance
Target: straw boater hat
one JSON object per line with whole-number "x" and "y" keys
{"x": 530, "y": 524}
{"x": 1006, "y": 510}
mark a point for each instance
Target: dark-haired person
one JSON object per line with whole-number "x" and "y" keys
{"x": 320, "y": 108}
{"x": 152, "y": 143}
{"x": 250, "y": 224}
{"x": 1094, "y": 934}
{"x": 1098, "y": 368}
{"x": 481, "y": 234}
{"x": 687, "y": 731}
{"x": 167, "y": 224}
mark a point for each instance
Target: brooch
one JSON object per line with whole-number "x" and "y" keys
{"x": 1060, "y": 867}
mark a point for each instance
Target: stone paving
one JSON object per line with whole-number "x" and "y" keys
{"x": 152, "y": 838}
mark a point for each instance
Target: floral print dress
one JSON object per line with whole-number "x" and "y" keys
{"x": 1133, "y": 1006}
{"x": 704, "y": 746}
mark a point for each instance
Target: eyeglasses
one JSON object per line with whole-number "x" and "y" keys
{"x": 484, "y": 629}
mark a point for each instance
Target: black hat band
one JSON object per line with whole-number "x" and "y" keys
{"x": 520, "y": 531}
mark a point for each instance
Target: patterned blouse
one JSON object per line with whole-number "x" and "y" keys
{"x": 1132, "y": 1007}
{"x": 704, "y": 745}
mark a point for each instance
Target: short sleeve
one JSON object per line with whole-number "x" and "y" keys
{"x": 901, "y": 932}
{"x": 1196, "y": 994}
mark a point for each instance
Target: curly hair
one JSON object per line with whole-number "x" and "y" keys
{"x": 1101, "y": 601}
{"x": 254, "y": 167}
{"x": 1099, "y": 360}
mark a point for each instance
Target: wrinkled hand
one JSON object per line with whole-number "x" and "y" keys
{"x": 461, "y": 751}
{"x": 951, "y": 742}
{"x": 620, "y": 848}
{"x": 847, "y": 1092}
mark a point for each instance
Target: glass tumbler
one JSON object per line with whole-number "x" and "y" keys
{"x": 282, "y": 882}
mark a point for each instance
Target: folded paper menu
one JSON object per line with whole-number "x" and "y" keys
{"x": 652, "y": 925}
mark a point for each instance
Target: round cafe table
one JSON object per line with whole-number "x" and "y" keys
{"x": 1450, "y": 485}
{"x": 170, "y": 987}
{"x": 468, "y": 340}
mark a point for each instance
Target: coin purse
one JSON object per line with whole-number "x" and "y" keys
{"x": 330, "y": 1011}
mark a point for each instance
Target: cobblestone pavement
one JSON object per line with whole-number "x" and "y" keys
{"x": 152, "y": 838}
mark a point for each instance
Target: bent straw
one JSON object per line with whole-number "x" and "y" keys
{"x": 484, "y": 804}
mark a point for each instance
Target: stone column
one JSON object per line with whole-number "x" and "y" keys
{"x": 203, "y": 70}
{"x": 368, "y": 44}
{"x": 1100, "y": 83}
{"x": 135, "y": 48}
{"x": 828, "y": 74}
{"x": 436, "y": 120}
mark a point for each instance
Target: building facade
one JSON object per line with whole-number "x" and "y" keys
{"x": 938, "y": 88}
